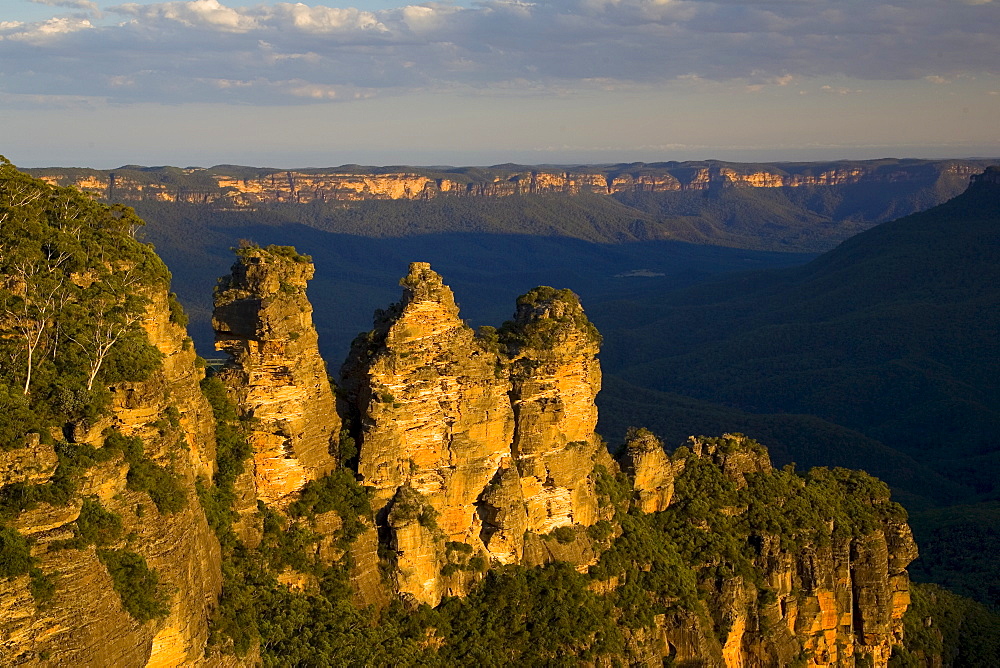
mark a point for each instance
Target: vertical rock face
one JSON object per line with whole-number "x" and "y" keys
{"x": 555, "y": 380}
{"x": 503, "y": 517}
{"x": 263, "y": 320}
{"x": 434, "y": 414}
{"x": 490, "y": 444}
{"x": 86, "y": 623}
{"x": 651, "y": 471}
{"x": 837, "y": 596}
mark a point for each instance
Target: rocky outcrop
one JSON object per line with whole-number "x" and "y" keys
{"x": 828, "y": 591}
{"x": 555, "y": 380}
{"x": 86, "y": 622}
{"x": 491, "y": 436}
{"x": 433, "y": 417}
{"x": 650, "y": 470}
{"x": 275, "y": 375}
{"x": 354, "y": 183}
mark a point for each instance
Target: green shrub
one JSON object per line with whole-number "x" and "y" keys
{"x": 177, "y": 314}
{"x": 565, "y": 534}
{"x": 161, "y": 485}
{"x": 136, "y": 584}
{"x": 15, "y": 553}
{"x": 337, "y": 491}
{"x": 97, "y": 525}
{"x": 16, "y": 559}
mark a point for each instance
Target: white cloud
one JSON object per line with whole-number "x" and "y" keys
{"x": 191, "y": 13}
{"x": 86, "y": 5}
{"x": 174, "y": 50}
{"x": 45, "y": 31}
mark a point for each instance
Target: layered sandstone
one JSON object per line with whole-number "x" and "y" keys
{"x": 434, "y": 418}
{"x": 555, "y": 380}
{"x": 650, "y": 470}
{"x": 473, "y": 440}
{"x": 275, "y": 374}
{"x": 838, "y": 599}
{"x": 352, "y": 183}
{"x": 86, "y": 623}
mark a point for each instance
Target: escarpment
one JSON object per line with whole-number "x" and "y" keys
{"x": 106, "y": 557}
{"x": 353, "y": 183}
{"x": 275, "y": 374}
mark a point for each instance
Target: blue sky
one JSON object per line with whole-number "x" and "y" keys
{"x": 202, "y": 82}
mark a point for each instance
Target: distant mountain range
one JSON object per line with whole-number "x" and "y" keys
{"x": 777, "y": 206}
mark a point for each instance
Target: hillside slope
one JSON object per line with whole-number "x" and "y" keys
{"x": 891, "y": 334}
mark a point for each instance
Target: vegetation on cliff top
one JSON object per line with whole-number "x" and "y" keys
{"x": 73, "y": 282}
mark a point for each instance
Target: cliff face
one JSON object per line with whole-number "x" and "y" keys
{"x": 477, "y": 450}
{"x": 834, "y": 593}
{"x": 263, "y": 320}
{"x": 466, "y": 441}
{"x": 86, "y": 623}
{"x": 345, "y": 184}
{"x": 556, "y": 378}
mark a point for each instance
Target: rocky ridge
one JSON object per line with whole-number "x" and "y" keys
{"x": 243, "y": 187}
{"x": 468, "y": 441}
{"x": 275, "y": 375}
{"x": 835, "y": 600}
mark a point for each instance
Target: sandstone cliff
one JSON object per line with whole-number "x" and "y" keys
{"x": 85, "y": 622}
{"x": 473, "y": 440}
{"x": 480, "y": 461}
{"x": 275, "y": 375}
{"x": 237, "y": 187}
{"x": 555, "y": 380}
{"x": 821, "y": 585}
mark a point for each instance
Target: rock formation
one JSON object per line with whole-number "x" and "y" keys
{"x": 478, "y": 450}
{"x": 556, "y": 378}
{"x": 263, "y": 320}
{"x": 836, "y": 597}
{"x": 86, "y": 623}
{"x": 490, "y": 436}
{"x": 346, "y": 184}
{"x": 651, "y": 471}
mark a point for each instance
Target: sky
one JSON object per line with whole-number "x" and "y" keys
{"x": 205, "y": 82}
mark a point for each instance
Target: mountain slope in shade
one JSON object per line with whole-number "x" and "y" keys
{"x": 892, "y": 334}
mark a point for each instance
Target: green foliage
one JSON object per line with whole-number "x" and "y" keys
{"x": 960, "y": 549}
{"x": 941, "y": 625}
{"x": 96, "y": 525}
{"x": 409, "y": 506}
{"x": 540, "y": 330}
{"x": 347, "y": 449}
{"x": 231, "y": 451}
{"x": 163, "y": 487}
{"x": 16, "y": 559}
{"x": 519, "y": 616}
{"x": 177, "y": 314}
{"x": 132, "y": 359}
{"x": 137, "y": 584}
{"x": 73, "y": 286}
{"x": 15, "y": 553}
{"x": 74, "y": 459}
{"x": 336, "y": 491}
{"x": 564, "y": 534}
{"x": 145, "y": 475}
{"x": 17, "y": 419}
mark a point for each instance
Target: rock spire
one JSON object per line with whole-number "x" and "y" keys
{"x": 263, "y": 320}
